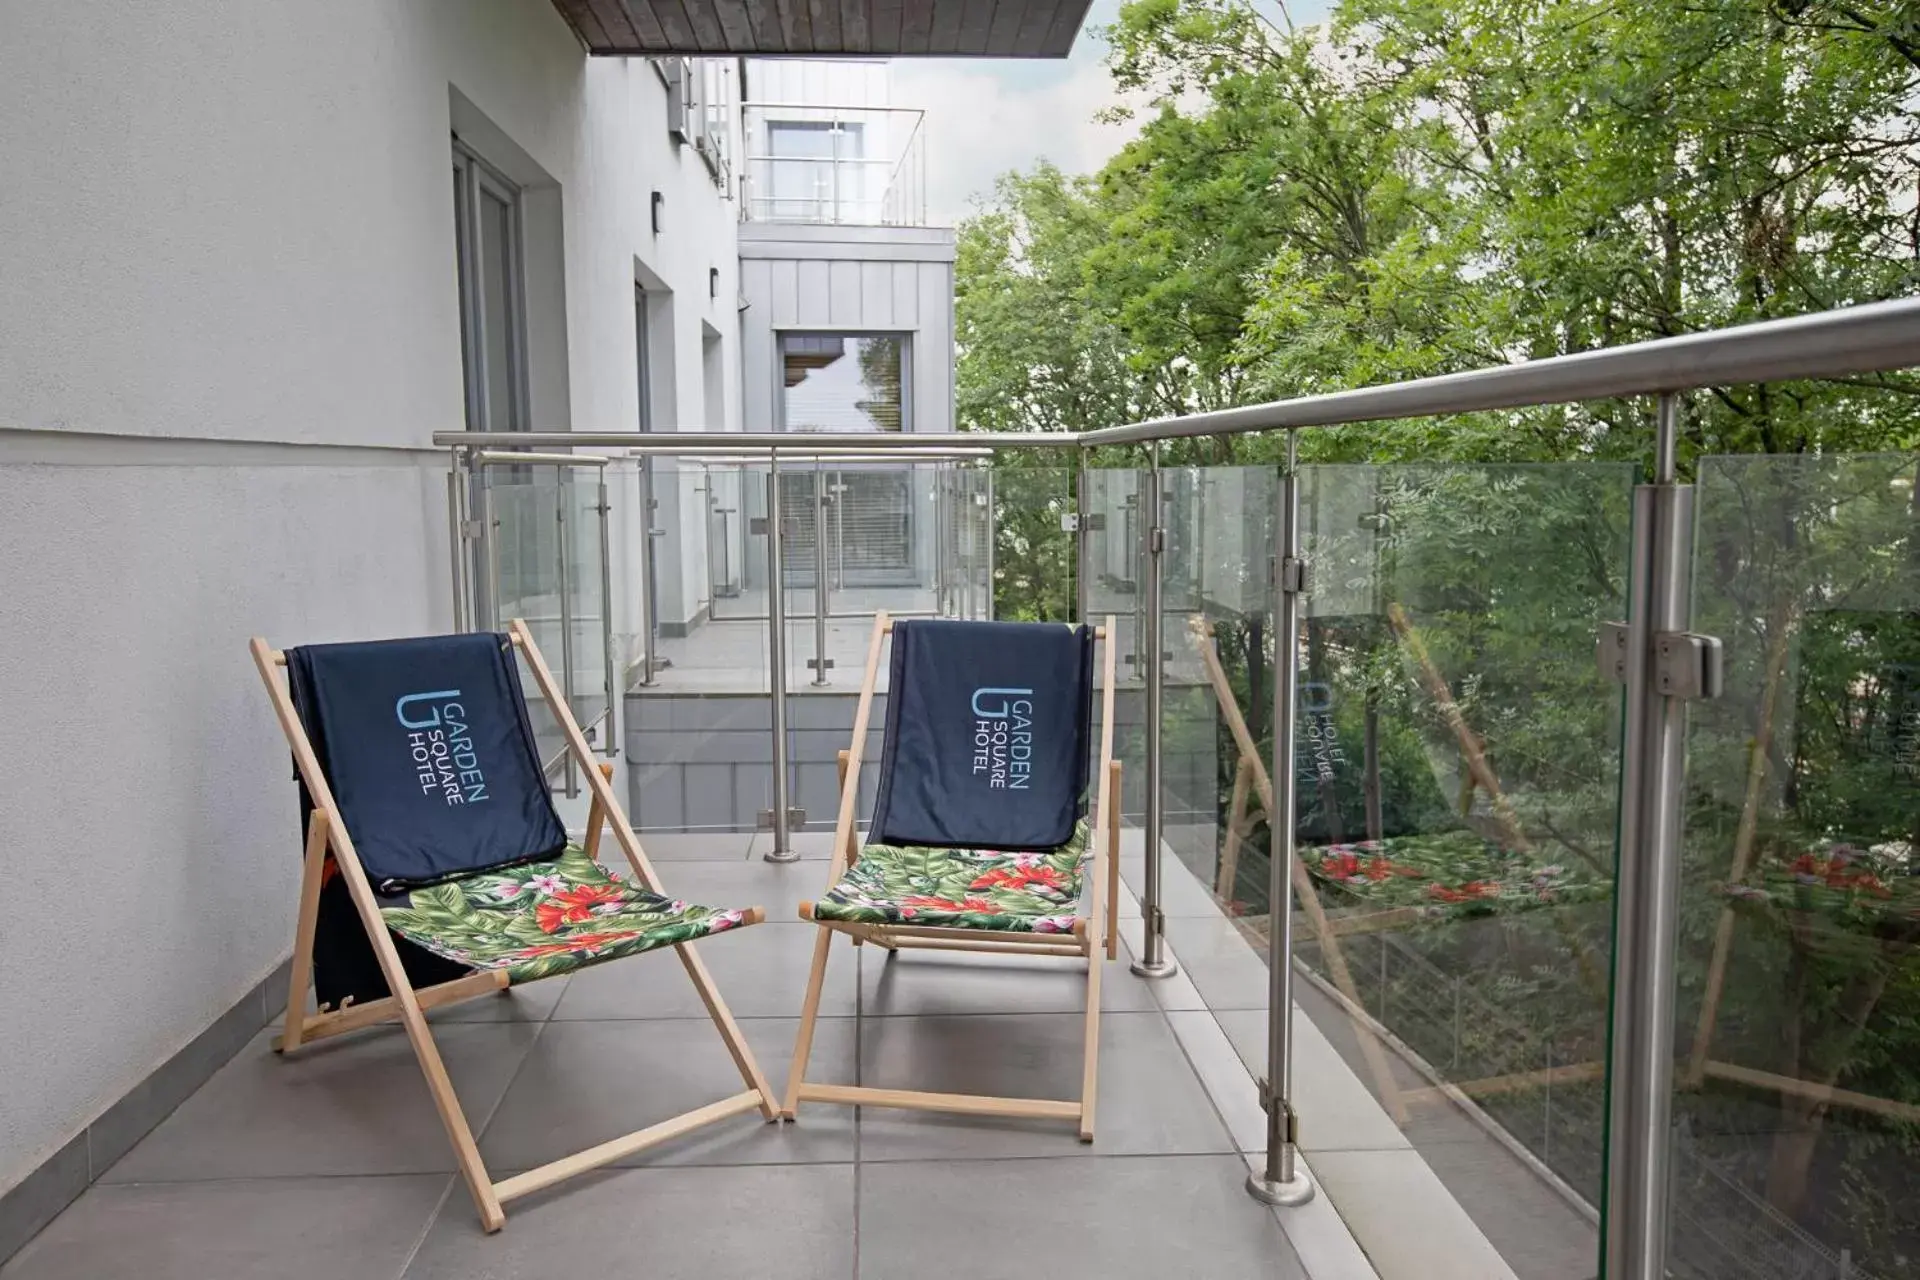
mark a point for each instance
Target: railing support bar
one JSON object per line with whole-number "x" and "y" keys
{"x": 782, "y": 850}
{"x": 1153, "y": 961}
{"x": 1281, "y": 1180}
{"x": 1653, "y": 770}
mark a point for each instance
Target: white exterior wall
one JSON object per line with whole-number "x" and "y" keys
{"x": 825, "y": 81}
{"x": 227, "y": 242}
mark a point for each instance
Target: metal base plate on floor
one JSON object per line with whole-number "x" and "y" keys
{"x": 1284, "y": 1194}
{"x": 1166, "y": 968}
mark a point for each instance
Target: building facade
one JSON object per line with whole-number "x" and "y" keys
{"x": 240, "y": 301}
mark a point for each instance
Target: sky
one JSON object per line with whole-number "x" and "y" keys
{"x": 986, "y": 116}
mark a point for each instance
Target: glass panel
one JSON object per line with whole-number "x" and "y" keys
{"x": 1110, "y": 562}
{"x": 1457, "y": 770}
{"x": 729, "y": 538}
{"x": 841, "y": 382}
{"x": 1797, "y": 1109}
{"x": 526, "y": 503}
{"x": 699, "y": 737}
{"x": 586, "y": 603}
{"x": 1034, "y": 566}
{"x": 1217, "y": 628}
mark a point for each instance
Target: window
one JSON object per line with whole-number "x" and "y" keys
{"x": 815, "y": 169}
{"x": 493, "y": 330}
{"x": 843, "y": 382}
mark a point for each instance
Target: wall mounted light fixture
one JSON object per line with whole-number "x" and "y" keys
{"x": 713, "y": 282}
{"x": 659, "y": 203}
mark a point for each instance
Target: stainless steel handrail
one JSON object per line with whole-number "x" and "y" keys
{"x": 1864, "y": 339}
{"x": 502, "y": 457}
{"x": 787, "y": 444}
{"x": 1868, "y": 338}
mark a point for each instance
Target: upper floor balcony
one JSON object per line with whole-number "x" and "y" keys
{"x": 834, "y": 165}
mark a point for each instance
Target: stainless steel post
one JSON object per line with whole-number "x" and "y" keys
{"x": 819, "y": 578}
{"x": 562, "y": 486}
{"x": 1281, "y": 1180}
{"x": 456, "y": 543}
{"x": 1153, "y": 961}
{"x": 490, "y": 552}
{"x": 649, "y": 599}
{"x": 988, "y": 527}
{"x": 1083, "y": 535}
{"x": 609, "y": 667}
{"x": 941, "y": 607}
{"x": 1653, "y": 769}
{"x": 782, "y": 850}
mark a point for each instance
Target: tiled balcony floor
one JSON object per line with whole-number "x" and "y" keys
{"x": 331, "y": 1163}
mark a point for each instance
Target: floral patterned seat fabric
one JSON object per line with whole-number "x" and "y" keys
{"x": 543, "y": 918}
{"x": 962, "y": 888}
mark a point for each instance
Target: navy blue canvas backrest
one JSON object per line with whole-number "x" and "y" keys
{"x": 427, "y": 748}
{"x": 988, "y": 727}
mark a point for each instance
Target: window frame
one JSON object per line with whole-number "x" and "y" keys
{"x": 474, "y": 181}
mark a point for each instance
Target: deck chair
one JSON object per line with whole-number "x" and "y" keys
{"x": 979, "y": 840}
{"x": 427, "y": 798}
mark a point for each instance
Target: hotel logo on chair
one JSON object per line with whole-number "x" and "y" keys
{"x": 1003, "y": 737}
{"x": 444, "y": 760}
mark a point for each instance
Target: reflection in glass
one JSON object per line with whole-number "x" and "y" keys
{"x": 1797, "y": 1104}
{"x": 842, "y": 382}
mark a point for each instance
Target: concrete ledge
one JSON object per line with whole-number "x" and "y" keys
{"x": 1381, "y": 1210}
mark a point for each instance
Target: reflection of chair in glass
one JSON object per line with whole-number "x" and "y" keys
{"x": 1847, "y": 901}
{"x": 980, "y": 843}
{"x": 1408, "y": 878}
{"x": 425, "y": 798}
{"x": 1250, "y": 774}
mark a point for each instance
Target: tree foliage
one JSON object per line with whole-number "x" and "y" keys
{"x": 1419, "y": 187}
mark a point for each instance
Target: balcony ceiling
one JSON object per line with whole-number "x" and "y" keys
{"x": 883, "y": 28}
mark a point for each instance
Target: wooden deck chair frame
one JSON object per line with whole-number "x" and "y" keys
{"x": 1095, "y": 935}
{"x": 327, "y": 831}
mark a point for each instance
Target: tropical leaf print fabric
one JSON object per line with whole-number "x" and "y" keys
{"x": 962, "y": 888}
{"x": 544, "y": 918}
{"x": 1865, "y": 883}
{"x": 1449, "y": 875}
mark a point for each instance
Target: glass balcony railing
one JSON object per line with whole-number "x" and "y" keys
{"x": 1577, "y": 802}
{"x": 835, "y": 165}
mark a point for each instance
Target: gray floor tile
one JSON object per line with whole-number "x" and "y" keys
{"x": 1150, "y": 1101}
{"x": 777, "y": 886}
{"x": 156, "y": 1097}
{"x": 761, "y": 973}
{"x": 1337, "y": 1111}
{"x": 682, "y": 846}
{"x": 355, "y": 1105}
{"x": 1224, "y": 1076}
{"x": 1223, "y": 965}
{"x": 767, "y": 1223}
{"x": 586, "y": 1083}
{"x": 1172, "y": 991}
{"x": 1404, "y": 1218}
{"x": 288, "y": 1229}
{"x": 1142, "y": 1219}
{"x": 941, "y": 982}
{"x": 1181, "y": 893}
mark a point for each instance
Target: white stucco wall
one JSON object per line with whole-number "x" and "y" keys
{"x": 230, "y": 326}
